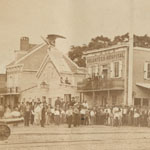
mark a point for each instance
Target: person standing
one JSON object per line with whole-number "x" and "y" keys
{"x": 57, "y": 115}
{"x": 48, "y": 114}
{"x": 37, "y": 113}
{"x": 82, "y": 112}
{"x": 32, "y": 113}
{"x": 43, "y": 115}
{"x": 92, "y": 117}
{"x": 69, "y": 114}
{"x": 76, "y": 116}
{"x": 27, "y": 114}
{"x": 58, "y": 102}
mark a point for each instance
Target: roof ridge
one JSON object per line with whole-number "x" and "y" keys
{"x": 28, "y": 54}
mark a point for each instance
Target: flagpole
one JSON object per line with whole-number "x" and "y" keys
{"x": 130, "y": 63}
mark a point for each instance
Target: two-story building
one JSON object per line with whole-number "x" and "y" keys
{"x": 57, "y": 76}
{"x": 41, "y": 71}
{"x": 107, "y": 76}
{"x": 21, "y": 73}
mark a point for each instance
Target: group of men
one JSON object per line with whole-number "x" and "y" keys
{"x": 78, "y": 113}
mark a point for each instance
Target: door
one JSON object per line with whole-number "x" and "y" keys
{"x": 67, "y": 97}
{"x": 105, "y": 73}
{"x": 104, "y": 101}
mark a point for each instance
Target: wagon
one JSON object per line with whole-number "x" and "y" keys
{"x": 5, "y": 129}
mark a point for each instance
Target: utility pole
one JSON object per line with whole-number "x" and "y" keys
{"x": 130, "y": 63}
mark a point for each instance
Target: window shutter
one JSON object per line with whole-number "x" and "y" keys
{"x": 89, "y": 71}
{"x": 111, "y": 70}
{"x": 93, "y": 71}
{"x": 145, "y": 70}
{"x": 100, "y": 70}
{"x": 120, "y": 69}
{"x": 96, "y": 70}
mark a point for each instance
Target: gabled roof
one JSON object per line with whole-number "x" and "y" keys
{"x": 33, "y": 59}
{"x": 58, "y": 59}
{"x": 61, "y": 62}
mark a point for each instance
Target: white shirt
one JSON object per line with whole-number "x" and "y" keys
{"x": 92, "y": 113}
{"x": 124, "y": 111}
{"x": 82, "y": 111}
{"x": 56, "y": 112}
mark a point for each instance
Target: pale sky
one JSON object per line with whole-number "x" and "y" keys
{"x": 77, "y": 20}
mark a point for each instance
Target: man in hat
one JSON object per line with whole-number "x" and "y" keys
{"x": 58, "y": 102}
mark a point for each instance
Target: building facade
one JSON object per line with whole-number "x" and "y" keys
{"x": 40, "y": 71}
{"x": 57, "y": 76}
{"x": 2, "y": 87}
{"x": 107, "y": 76}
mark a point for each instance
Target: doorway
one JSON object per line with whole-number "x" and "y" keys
{"x": 105, "y": 73}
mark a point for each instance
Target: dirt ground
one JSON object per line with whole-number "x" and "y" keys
{"x": 84, "y": 138}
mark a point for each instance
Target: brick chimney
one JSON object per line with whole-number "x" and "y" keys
{"x": 24, "y": 43}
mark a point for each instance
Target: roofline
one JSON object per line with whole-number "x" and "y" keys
{"x": 116, "y": 47}
{"x": 16, "y": 65}
{"x": 71, "y": 61}
{"x": 28, "y": 70}
{"x": 31, "y": 52}
{"x": 29, "y": 88}
{"x": 105, "y": 49}
{"x": 142, "y": 49}
{"x": 41, "y": 66}
{"x": 44, "y": 63}
{"x": 78, "y": 73}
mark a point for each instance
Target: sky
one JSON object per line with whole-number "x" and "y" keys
{"x": 77, "y": 20}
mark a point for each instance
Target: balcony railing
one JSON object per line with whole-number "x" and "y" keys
{"x": 13, "y": 90}
{"x": 100, "y": 84}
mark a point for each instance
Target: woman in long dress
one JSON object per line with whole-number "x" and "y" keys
{"x": 37, "y": 114}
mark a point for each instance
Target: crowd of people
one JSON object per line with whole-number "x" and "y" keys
{"x": 79, "y": 113}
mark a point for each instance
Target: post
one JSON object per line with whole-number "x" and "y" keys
{"x": 108, "y": 97}
{"x": 130, "y": 64}
{"x": 93, "y": 97}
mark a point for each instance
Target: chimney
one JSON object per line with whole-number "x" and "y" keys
{"x": 24, "y": 44}
{"x": 52, "y": 38}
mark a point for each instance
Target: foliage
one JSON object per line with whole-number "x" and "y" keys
{"x": 76, "y": 52}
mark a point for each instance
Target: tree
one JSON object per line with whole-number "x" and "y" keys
{"x": 76, "y": 52}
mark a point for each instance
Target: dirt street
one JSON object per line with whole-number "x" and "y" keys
{"x": 87, "y": 137}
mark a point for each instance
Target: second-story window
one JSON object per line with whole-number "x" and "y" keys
{"x": 116, "y": 69}
{"x": 147, "y": 70}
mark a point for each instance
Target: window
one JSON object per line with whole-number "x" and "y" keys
{"x": 116, "y": 69}
{"x": 147, "y": 70}
{"x": 89, "y": 70}
{"x": 93, "y": 71}
{"x": 114, "y": 100}
{"x": 96, "y": 70}
{"x": 145, "y": 102}
{"x": 137, "y": 102}
{"x": 67, "y": 97}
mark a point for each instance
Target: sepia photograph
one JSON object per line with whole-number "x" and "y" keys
{"x": 74, "y": 75}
